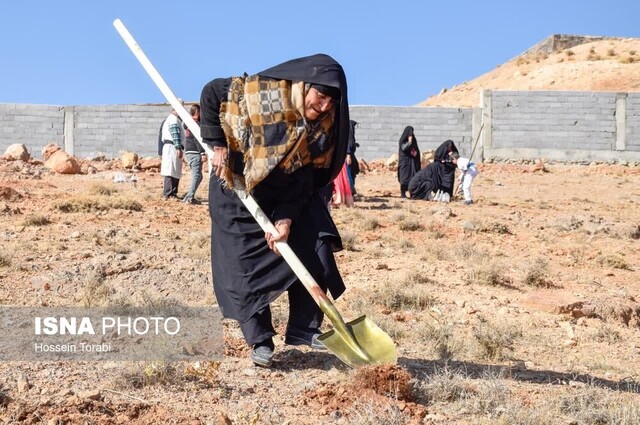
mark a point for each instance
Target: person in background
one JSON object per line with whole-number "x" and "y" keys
{"x": 469, "y": 172}
{"x": 172, "y": 153}
{"x": 342, "y": 195}
{"x": 408, "y": 159}
{"x": 435, "y": 181}
{"x": 353, "y": 167}
{"x": 194, "y": 154}
{"x": 281, "y": 152}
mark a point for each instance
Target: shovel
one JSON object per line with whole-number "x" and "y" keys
{"x": 357, "y": 343}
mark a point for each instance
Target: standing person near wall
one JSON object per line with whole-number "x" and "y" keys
{"x": 306, "y": 128}
{"x": 408, "y": 159}
{"x": 172, "y": 153}
{"x": 194, "y": 154}
{"x": 351, "y": 160}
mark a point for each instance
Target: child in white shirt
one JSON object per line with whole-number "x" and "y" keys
{"x": 469, "y": 172}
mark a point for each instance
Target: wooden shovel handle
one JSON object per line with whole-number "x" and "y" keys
{"x": 285, "y": 250}
{"x": 249, "y": 202}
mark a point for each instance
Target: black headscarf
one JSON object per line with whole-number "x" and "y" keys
{"x": 321, "y": 69}
{"x": 446, "y": 169}
{"x": 408, "y": 131}
{"x": 409, "y": 158}
{"x": 443, "y": 151}
{"x": 352, "y": 137}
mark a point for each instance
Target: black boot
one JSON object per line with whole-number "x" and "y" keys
{"x": 262, "y": 354}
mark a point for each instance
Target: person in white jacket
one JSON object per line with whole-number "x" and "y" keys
{"x": 469, "y": 172}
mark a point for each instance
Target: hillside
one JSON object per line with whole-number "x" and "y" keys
{"x": 559, "y": 62}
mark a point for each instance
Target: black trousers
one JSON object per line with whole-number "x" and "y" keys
{"x": 170, "y": 187}
{"x": 304, "y": 314}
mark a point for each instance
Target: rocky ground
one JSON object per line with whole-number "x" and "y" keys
{"x": 522, "y": 308}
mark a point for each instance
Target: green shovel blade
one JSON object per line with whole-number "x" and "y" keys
{"x": 361, "y": 343}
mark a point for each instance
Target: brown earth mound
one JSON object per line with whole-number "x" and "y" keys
{"x": 611, "y": 64}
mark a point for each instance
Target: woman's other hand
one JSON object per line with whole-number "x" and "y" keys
{"x": 284, "y": 228}
{"x": 219, "y": 160}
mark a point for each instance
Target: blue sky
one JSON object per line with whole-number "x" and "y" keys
{"x": 395, "y": 52}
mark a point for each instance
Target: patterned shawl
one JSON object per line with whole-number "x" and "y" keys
{"x": 263, "y": 121}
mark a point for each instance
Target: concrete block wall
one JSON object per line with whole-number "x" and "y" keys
{"x": 632, "y": 134}
{"x": 560, "y": 125}
{"x": 113, "y": 129}
{"x": 35, "y": 126}
{"x": 380, "y": 127}
{"x": 554, "y": 120}
{"x": 554, "y": 125}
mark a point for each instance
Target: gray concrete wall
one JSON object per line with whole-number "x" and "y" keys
{"x": 380, "y": 127}
{"x": 632, "y": 127}
{"x": 555, "y": 125}
{"x": 32, "y": 125}
{"x": 560, "y": 125}
{"x": 117, "y": 128}
{"x": 547, "y": 120}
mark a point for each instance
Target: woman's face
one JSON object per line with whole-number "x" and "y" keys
{"x": 315, "y": 104}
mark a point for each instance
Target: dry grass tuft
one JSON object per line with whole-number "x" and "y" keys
{"x": 94, "y": 203}
{"x": 613, "y": 260}
{"x": 95, "y": 292}
{"x": 495, "y": 340}
{"x": 444, "y": 385}
{"x": 442, "y": 339}
{"x": 36, "y": 220}
{"x": 415, "y": 278}
{"x": 607, "y": 334}
{"x": 435, "y": 231}
{"x": 409, "y": 225}
{"x": 204, "y": 371}
{"x": 150, "y": 373}
{"x": 535, "y": 273}
{"x": 495, "y": 227}
{"x": 405, "y": 244}
{"x": 102, "y": 190}
{"x": 395, "y": 298}
{"x": 487, "y": 396}
{"x": 486, "y": 272}
{"x": 406, "y": 294}
{"x": 348, "y": 241}
{"x": 198, "y": 244}
{"x": 370, "y": 411}
{"x": 370, "y": 224}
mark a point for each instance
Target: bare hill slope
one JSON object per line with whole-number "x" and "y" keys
{"x": 557, "y": 63}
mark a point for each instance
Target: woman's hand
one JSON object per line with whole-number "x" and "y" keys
{"x": 219, "y": 160}
{"x": 284, "y": 228}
